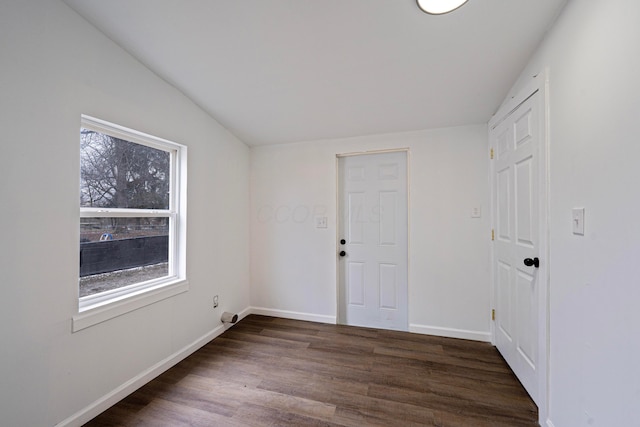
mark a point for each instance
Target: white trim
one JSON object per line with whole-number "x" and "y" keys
{"x": 129, "y": 134}
{"x": 117, "y": 306}
{"x": 295, "y": 315}
{"x": 125, "y": 213}
{"x": 414, "y": 328}
{"x": 105, "y": 402}
{"x": 540, "y": 84}
{"x": 450, "y": 332}
{"x": 114, "y": 295}
{"x": 508, "y": 107}
{"x": 382, "y": 151}
{"x": 244, "y": 313}
{"x": 340, "y": 318}
{"x": 545, "y": 246}
{"x": 549, "y": 423}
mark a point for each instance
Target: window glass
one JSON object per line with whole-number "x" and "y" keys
{"x": 116, "y": 173}
{"x": 117, "y": 252}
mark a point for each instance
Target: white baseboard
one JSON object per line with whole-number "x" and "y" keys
{"x": 450, "y": 332}
{"x": 244, "y": 313}
{"x": 419, "y": 329}
{"x": 293, "y": 315}
{"x": 86, "y": 414}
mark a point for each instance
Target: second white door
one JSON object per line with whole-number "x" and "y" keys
{"x": 372, "y": 240}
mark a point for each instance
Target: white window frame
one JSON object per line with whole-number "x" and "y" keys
{"x": 97, "y": 308}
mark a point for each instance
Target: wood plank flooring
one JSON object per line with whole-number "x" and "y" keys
{"x": 267, "y": 371}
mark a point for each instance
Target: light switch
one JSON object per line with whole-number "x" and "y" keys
{"x": 321, "y": 222}
{"x": 476, "y": 212}
{"x": 577, "y": 221}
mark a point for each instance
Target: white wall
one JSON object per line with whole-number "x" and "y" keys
{"x": 593, "y": 55}
{"x": 55, "y": 66}
{"x": 293, "y": 264}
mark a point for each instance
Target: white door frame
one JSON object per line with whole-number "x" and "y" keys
{"x": 540, "y": 84}
{"x": 338, "y": 218}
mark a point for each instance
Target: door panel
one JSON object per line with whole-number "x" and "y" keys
{"x": 504, "y": 297}
{"x": 356, "y": 283}
{"x": 522, "y": 127}
{"x": 355, "y": 217}
{"x": 524, "y": 225}
{"x": 388, "y": 217}
{"x": 503, "y": 196}
{"x": 373, "y": 218}
{"x": 527, "y": 326}
{"x": 388, "y": 286}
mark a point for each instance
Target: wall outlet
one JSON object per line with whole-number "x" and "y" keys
{"x": 215, "y": 301}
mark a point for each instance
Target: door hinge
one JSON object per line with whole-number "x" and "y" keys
{"x": 493, "y": 235}
{"x": 493, "y": 314}
{"x": 491, "y": 154}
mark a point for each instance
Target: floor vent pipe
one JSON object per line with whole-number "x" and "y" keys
{"x": 229, "y": 317}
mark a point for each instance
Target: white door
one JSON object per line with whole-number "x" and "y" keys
{"x": 515, "y": 141}
{"x": 372, "y": 240}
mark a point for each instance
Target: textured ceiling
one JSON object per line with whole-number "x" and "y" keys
{"x": 277, "y": 71}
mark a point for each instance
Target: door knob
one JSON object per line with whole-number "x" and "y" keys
{"x": 532, "y": 262}
{"x": 342, "y": 253}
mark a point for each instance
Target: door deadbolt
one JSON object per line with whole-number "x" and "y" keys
{"x": 532, "y": 262}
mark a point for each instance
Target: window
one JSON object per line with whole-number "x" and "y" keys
{"x": 132, "y": 220}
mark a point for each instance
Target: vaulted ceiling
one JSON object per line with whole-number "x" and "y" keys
{"x": 277, "y": 71}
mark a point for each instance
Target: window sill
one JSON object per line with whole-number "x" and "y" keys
{"x": 100, "y": 312}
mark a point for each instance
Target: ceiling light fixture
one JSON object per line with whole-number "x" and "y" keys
{"x": 439, "y": 7}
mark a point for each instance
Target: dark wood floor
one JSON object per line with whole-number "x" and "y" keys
{"x": 267, "y": 371}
